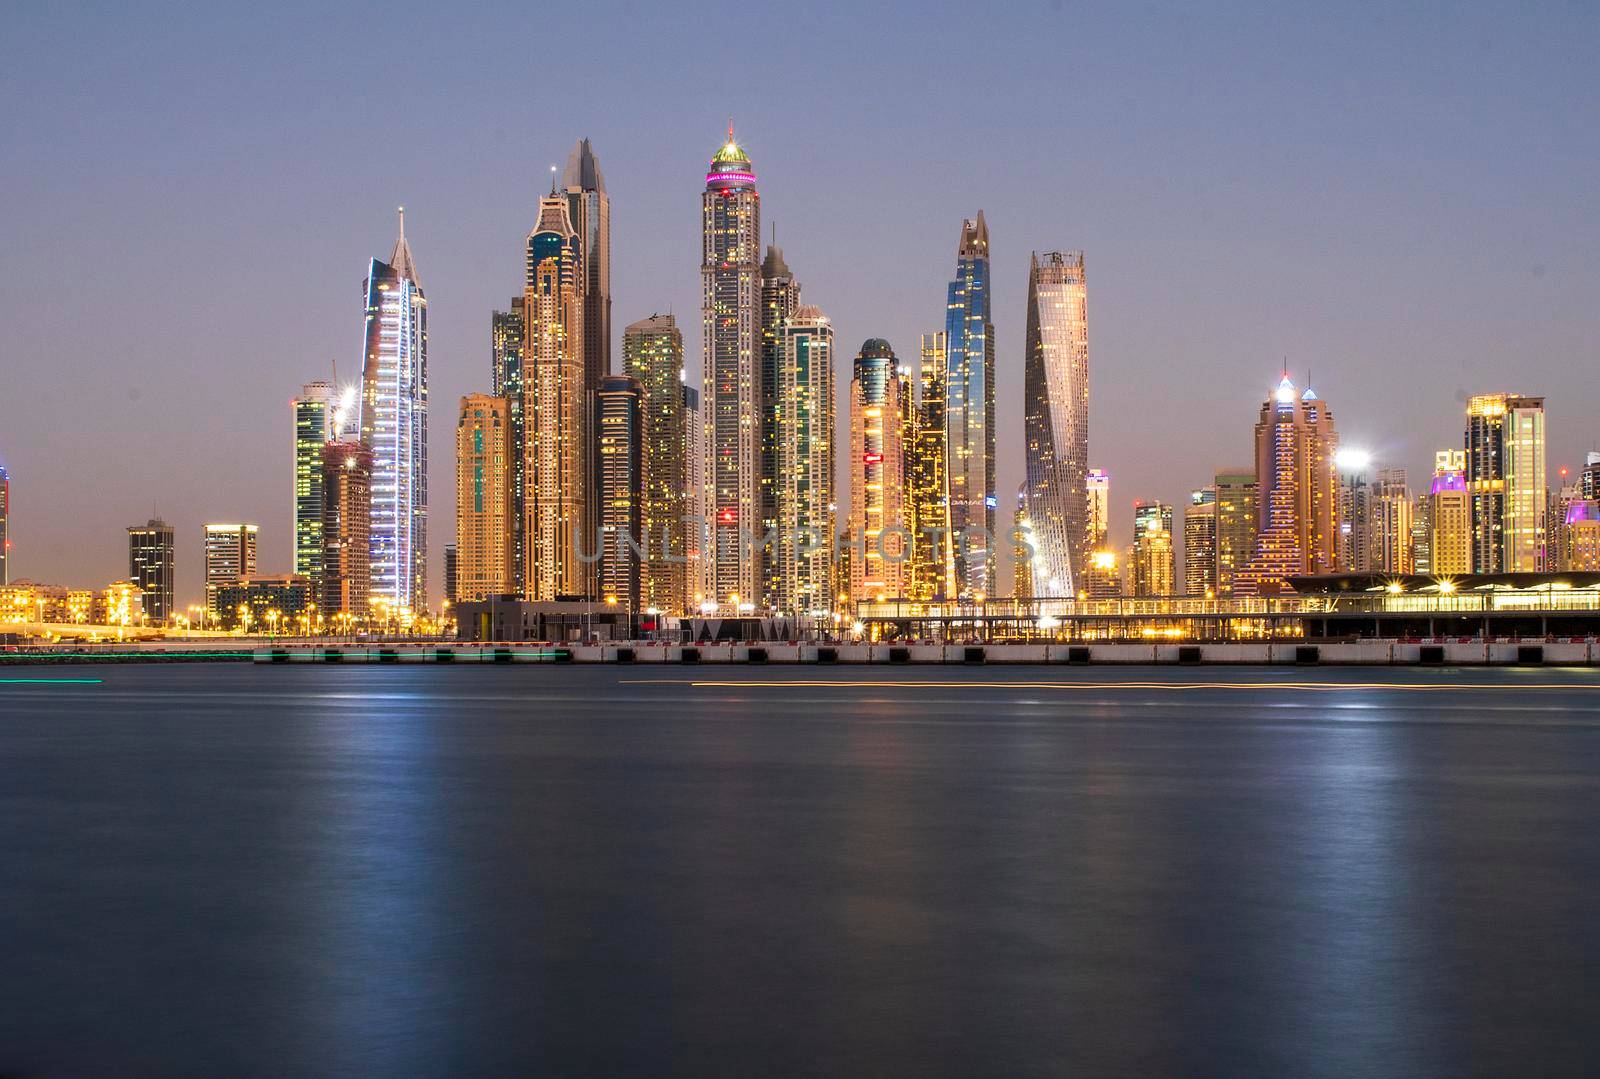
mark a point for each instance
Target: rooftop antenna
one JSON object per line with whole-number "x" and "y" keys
{"x": 402, "y": 223}
{"x": 730, "y": 127}
{"x": 552, "y": 179}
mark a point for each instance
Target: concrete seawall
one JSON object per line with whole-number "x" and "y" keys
{"x": 1454, "y": 653}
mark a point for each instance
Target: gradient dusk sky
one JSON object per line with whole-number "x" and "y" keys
{"x": 1404, "y": 199}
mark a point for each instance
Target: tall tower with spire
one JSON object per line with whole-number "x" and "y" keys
{"x": 969, "y": 412}
{"x": 557, "y": 410}
{"x": 394, "y": 427}
{"x": 780, "y": 299}
{"x": 730, "y": 276}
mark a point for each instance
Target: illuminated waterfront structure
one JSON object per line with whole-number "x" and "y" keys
{"x": 1154, "y": 566}
{"x": 485, "y": 504}
{"x": 1449, "y": 516}
{"x": 1236, "y": 523}
{"x": 506, "y": 336}
{"x": 1505, "y": 474}
{"x": 969, "y": 411}
{"x": 345, "y": 587}
{"x": 780, "y": 299}
{"x": 1297, "y": 497}
{"x": 1390, "y": 508}
{"x": 730, "y": 239}
{"x": 5, "y": 527}
{"x": 1056, "y": 406}
{"x": 652, "y": 352}
{"x": 805, "y": 490}
{"x": 394, "y": 426}
{"x": 932, "y": 573}
{"x": 878, "y": 524}
{"x": 1097, "y": 504}
{"x": 151, "y": 548}
{"x": 620, "y": 444}
{"x": 556, "y": 411}
{"x": 1200, "y": 543}
{"x": 230, "y": 554}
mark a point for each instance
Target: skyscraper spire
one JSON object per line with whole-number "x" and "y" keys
{"x": 400, "y": 258}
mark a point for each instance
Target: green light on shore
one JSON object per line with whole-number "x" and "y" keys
{"x": 51, "y": 681}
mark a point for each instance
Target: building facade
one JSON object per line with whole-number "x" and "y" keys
{"x": 345, "y": 587}
{"x": 731, "y": 391}
{"x": 1200, "y": 543}
{"x": 557, "y": 412}
{"x": 1154, "y": 568}
{"x": 313, "y": 427}
{"x": 230, "y": 554}
{"x": 969, "y": 412}
{"x": 620, "y": 442}
{"x": 1097, "y": 506}
{"x": 1449, "y": 516}
{"x": 5, "y": 526}
{"x": 1056, "y": 419}
{"x": 151, "y": 548}
{"x": 780, "y": 299}
{"x": 506, "y": 337}
{"x": 394, "y": 426}
{"x": 1505, "y": 474}
{"x": 805, "y": 490}
{"x": 485, "y": 498}
{"x": 1297, "y": 498}
{"x": 932, "y": 575}
{"x": 1236, "y": 523}
{"x": 1392, "y": 550}
{"x": 879, "y": 524}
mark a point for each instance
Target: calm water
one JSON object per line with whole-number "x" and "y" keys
{"x": 235, "y": 870}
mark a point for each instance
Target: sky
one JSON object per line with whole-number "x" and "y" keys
{"x": 1400, "y": 200}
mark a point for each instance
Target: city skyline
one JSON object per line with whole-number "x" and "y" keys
{"x": 1193, "y": 390}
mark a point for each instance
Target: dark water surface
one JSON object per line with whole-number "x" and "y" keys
{"x": 236, "y": 870}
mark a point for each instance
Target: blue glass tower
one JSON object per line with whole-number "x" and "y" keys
{"x": 969, "y": 413}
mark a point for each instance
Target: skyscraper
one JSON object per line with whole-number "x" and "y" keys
{"x": 780, "y": 298}
{"x": 878, "y": 522}
{"x": 1154, "y": 559}
{"x": 1056, "y": 403}
{"x": 1236, "y": 523}
{"x": 730, "y": 235}
{"x": 805, "y": 499}
{"x": 484, "y": 498}
{"x": 1392, "y": 551}
{"x": 394, "y": 426}
{"x": 1505, "y": 477}
{"x": 346, "y": 564}
{"x": 313, "y": 428}
{"x": 933, "y": 551}
{"x": 1200, "y": 543}
{"x": 557, "y": 411}
{"x": 589, "y": 208}
{"x": 652, "y": 352}
{"x": 969, "y": 411}
{"x": 1449, "y": 516}
{"x": 1024, "y": 547}
{"x": 506, "y": 336}
{"x": 230, "y": 554}
{"x": 5, "y": 526}
{"x": 150, "y": 566}
{"x": 1297, "y": 498}
{"x": 1097, "y": 504}
{"x": 620, "y": 445}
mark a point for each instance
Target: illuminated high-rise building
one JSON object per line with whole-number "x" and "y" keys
{"x": 620, "y": 445}
{"x": 1056, "y": 404}
{"x": 230, "y": 554}
{"x": 969, "y": 411}
{"x": 1024, "y": 543}
{"x": 151, "y": 548}
{"x": 652, "y": 352}
{"x": 485, "y": 504}
{"x": 451, "y": 595}
{"x": 932, "y": 575}
{"x": 394, "y": 426}
{"x": 1589, "y": 478}
{"x": 556, "y": 411}
{"x": 1297, "y": 497}
{"x": 1200, "y": 543}
{"x": 1103, "y": 577}
{"x": 805, "y": 498}
{"x": 1236, "y": 523}
{"x": 1505, "y": 477}
{"x": 1356, "y": 524}
{"x": 780, "y": 299}
{"x": 346, "y": 563}
{"x": 1154, "y": 566}
{"x": 5, "y": 526}
{"x": 506, "y": 336}
{"x": 589, "y": 208}
{"x": 1580, "y": 536}
{"x": 1392, "y": 551}
{"x": 878, "y": 526}
{"x": 1097, "y": 504}
{"x": 731, "y": 392}
{"x": 322, "y": 414}
{"x": 1449, "y": 515}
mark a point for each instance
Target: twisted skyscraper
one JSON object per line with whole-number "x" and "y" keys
{"x": 1057, "y": 420}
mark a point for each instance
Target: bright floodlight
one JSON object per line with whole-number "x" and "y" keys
{"x": 1352, "y": 460}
